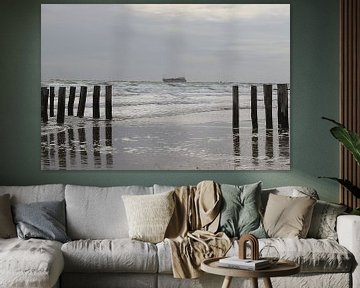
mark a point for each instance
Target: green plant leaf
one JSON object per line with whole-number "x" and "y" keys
{"x": 347, "y": 184}
{"x": 355, "y": 211}
{"x": 348, "y": 138}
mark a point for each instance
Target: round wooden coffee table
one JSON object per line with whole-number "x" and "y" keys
{"x": 281, "y": 268}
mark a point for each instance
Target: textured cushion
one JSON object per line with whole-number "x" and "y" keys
{"x": 117, "y": 255}
{"x": 98, "y": 213}
{"x": 31, "y": 263}
{"x": 291, "y": 191}
{"x": 313, "y": 255}
{"x": 44, "y": 220}
{"x": 149, "y": 215}
{"x": 7, "y": 227}
{"x": 36, "y": 193}
{"x": 323, "y": 222}
{"x": 287, "y": 216}
{"x": 240, "y": 213}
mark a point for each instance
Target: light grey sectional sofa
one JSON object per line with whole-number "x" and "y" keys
{"x": 101, "y": 254}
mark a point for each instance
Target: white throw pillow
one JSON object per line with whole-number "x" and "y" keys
{"x": 149, "y": 215}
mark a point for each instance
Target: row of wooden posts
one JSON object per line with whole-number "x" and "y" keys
{"x": 282, "y": 98}
{"x": 283, "y": 105}
{"x": 60, "y": 117}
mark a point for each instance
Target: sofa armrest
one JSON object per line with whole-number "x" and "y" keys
{"x": 348, "y": 230}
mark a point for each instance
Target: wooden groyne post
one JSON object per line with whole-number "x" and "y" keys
{"x": 254, "y": 118}
{"x": 268, "y": 105}
{"x": 71, "y": 100}
{"x": 82, "y": 101}
{"x": 52, "y": 100}
{"x": 108, "y": 102}
{"x": 283, "y": 104}
{"x": 61, "y": 106}
{"x": 44, "y": 104}
{"x": 96, "y": 102}
{"x": 235, "y": 118}
{"x": 72, "y": 95}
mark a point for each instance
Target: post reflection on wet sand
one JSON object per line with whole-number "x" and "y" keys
{"x": 83, "y": 147}
{"x": 96, "y": 145}
{"x": 272, "y": 150}
{"x": 52, "y": 151}
{"x": 255, "y": 148}
{"x": 236, "y": 147}
{"x": 109, "y": 144}
{"x": 284, "y": 144}
{"x": 71, "y": 145}
{"x": 269, "y": 144}
{"x": 61, "y": 149}
{"x": 80, "y": 147}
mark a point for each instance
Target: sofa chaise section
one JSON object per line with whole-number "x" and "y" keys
{"x": 31, "y": 263}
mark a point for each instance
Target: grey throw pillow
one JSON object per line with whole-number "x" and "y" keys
{"x": 44, "y": 220}
{"x": 323, "y": 222}
{"x": 240, "y": 213}
{"x": 7, "y": 227}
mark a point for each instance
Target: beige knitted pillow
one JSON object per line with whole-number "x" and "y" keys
{"x": 287, "y": 217}
{"x": 149, "y": 215}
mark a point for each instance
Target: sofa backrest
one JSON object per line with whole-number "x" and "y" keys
{"x": 293, "y": 191}
{"x": 98, "y": 212}
{"x": 162, "y": 188}
{"x": 36, "y": 193}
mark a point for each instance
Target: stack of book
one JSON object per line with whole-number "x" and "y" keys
{"x": 248, "y": 264}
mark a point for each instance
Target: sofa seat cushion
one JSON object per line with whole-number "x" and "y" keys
{"x": 115, "y": 255}
{"x": 30, "y": 263}
{"x": 313, "y": 255}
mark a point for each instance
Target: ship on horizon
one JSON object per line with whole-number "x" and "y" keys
{"x": 176, "y": 79}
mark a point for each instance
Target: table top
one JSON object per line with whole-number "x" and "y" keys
{"x": 281, "y": 268}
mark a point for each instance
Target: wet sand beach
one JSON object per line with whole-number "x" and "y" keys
{"x": 204, "y": 141}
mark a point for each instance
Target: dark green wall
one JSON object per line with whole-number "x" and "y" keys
{"x": 314, "y": 88}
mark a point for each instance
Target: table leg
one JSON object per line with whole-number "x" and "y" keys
{"x": 227, "y": 282}
{"x": 267, "y": 283}
{"x": 254, "y": 282}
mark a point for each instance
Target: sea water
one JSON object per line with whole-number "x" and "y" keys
{"x": 165, "y": 126}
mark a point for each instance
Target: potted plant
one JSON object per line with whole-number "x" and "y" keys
{"x": 351, "y": 141}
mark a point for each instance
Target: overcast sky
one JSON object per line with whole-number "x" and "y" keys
{"x": 242, "y": 43}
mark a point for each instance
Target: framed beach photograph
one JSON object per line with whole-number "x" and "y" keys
{"x": 165, "y": 87}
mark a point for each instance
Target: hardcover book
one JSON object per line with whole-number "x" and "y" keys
{"x": 249, "y": 264}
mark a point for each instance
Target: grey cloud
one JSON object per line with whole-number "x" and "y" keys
{"x": 114, "y": 42}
